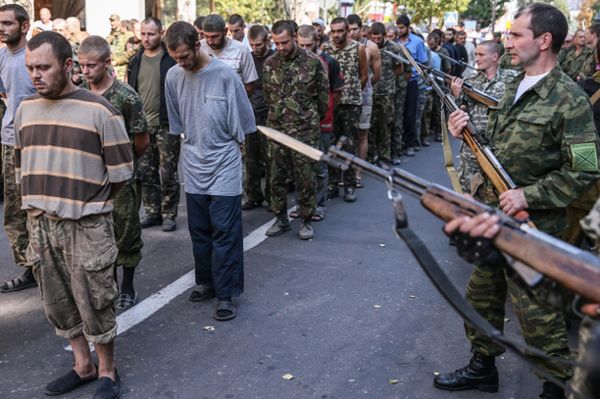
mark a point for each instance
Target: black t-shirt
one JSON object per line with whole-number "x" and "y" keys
{"x": 257, "y": 99}
{"x": 591, "y": 86}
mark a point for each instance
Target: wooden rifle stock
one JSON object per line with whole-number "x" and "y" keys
{"x": 577, "y": 270}
{"x": 488, "y": 163}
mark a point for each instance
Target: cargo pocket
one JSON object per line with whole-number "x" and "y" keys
{"x": 99, "y": 259}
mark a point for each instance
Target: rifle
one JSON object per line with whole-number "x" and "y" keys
{"x": 577, "y": 270}
{"x": 487, "y": 161}
{"x": 463, "y": 64}
{"x": 475, "y": 94}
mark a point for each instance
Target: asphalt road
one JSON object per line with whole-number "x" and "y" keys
{"x": 348, "y": 315}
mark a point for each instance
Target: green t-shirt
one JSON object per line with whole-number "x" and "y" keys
{"x": 149, "y": 87}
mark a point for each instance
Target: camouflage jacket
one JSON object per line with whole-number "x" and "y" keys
{"x": 348, "y": 59}
{"x": 573, "y": 64}
{"x": 547, "y": 143}
{"x": 387, "y": 83}
{"x": 589, "y": 66}
{"x": 591, "y": 223}
{"x": 120, "y": 55}
{"x": 297, "y": 93}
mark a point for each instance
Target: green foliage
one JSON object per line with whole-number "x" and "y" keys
{"x": 481, "y": 11}
{"x": 424, "y": 10}
{"x": 562, "y": 5}
{"x": 263, "y": 11}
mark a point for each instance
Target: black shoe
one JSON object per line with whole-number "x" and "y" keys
{"x": 349, "y": 194}
{"x": 425, "y": 143}
{"x": 66, "y": 383}
{"x": 108, "y": 389}
{"x": 248, "y": 205}
{"x": 169, "y": 224}
{"x": 481, "y": 374}
{"x": 438, "y": 138}
{"x": 148, "y": 221}
{"x": 409, "y": 152}
{"x": 333, "y": 192}
{"x": 26, "y": 280}
{"x": 552, "y": 391}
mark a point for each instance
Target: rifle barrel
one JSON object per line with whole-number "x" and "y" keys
{"x": 457, "y": 62}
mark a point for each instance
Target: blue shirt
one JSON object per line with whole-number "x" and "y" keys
{"x": 416, "y": 47}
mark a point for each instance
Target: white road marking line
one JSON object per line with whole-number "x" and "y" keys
{"x": 152, "y": 304}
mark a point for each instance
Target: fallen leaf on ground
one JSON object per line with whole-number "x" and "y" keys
{"x": 287, "y": 377}
{"x": 394, "y": 381}
{"x": 208, "y": 328}
{"x": 377, "y": 306}
{"x": 381, "y": 245}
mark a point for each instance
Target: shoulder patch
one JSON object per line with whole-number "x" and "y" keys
{"x": 584, "y": 157}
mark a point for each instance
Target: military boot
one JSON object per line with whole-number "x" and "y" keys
{"x": 279, "y": 227}
{"x": 552, "y": 391}
{"x": 480, "y": 374}
{"x": 306, "y": 231}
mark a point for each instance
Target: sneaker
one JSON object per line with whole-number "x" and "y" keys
{"x": 169, "y": 224}
{"x": 396, "y": 161}
{"x": 333, "y": 192}
{"x": 306, "y": 231}
{"x": 425, "y": 143}
{"x": 409, "y": 152}
{"x": 148, "y": 221}
{"x": 349, "y": 194}
{"x": 248, "y": 205}
{"x": 438, "y": 138}
{"x": 278, "y": 228}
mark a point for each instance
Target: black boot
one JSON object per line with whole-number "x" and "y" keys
{"x": 552, "y": 391}
{"x": 480, "y": 374}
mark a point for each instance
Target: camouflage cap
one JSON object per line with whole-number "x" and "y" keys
{"x": 114, "y": 17}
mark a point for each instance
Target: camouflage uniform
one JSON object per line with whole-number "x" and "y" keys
{"x": 589, "y": 66}
{"x": 469, "y": 174}
{"x": 157, "y": 169}
{"x": 2, "y": 110}
{"x": 296, "y": 91}
{"x": 120, "y": 56}
{"x": 128, "y": 233}
{"x": 424, "y": 91}
{"x": 15, "y": 219}
{"x": 347, "y": 112}
{"x": 398, "y": 132}
{"x": 573, "y": 64}
{"x": 547, "y": 143}
{"x": 382, "y": 118}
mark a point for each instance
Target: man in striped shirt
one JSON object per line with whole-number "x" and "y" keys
{"x": 72, "y": 156}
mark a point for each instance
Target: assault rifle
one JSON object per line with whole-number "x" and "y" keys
{"x": 475, "y": 94}
{"x": 478, "y": 144}
{"x": 577, "y": 270}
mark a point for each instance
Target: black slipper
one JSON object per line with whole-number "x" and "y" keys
{"x": 108, "y": 389}
{"x": 67, "y": 383}
{"x": 225, "y": 311}
{"x": 202, "y": 293}
{"x": 19, "y": 283}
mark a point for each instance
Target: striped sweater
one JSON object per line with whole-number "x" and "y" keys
{"x": 69, "y": 150}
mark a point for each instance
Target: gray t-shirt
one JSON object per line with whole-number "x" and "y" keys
{"x": 211, "y": 107}
{"x": 17, "y": 86}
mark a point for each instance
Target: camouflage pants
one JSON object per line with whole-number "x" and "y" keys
{"x": 427, "y": 118}
{"x": 469, "y": 172}
{"x": 398, "y": 131}
{"x": 436, "y": 119}
{"x": 126, "y": 217}
{"x": 73, "y": 263}
{"x": 542, "y": 328}
{"x": 304, "y": 171}
{"x": 581, "y": 385}
{"x": 323, "y": 171}
{"x": 382, "y": 123}
{"x": 15, "y": 219}
{"x": 257, "y": 161}
{"x": 345, "y": 123}
{"x": 421, "y": 104}
{"x": 157, "y": 169}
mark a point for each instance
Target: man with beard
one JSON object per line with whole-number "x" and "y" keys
{"x": 73, "y": 156}
{"x": 256, "y": 146}
{"x": 352, "y": 57}
{"x": 157, "y": 168}
{"x": 374, "y": 61}
{"x": 14, "y": 24}
{"x": 573, "y": 59}
{"x": 212, "y": 164}
{"x": 383, "y": 93}
{"x": 235, "y": 54}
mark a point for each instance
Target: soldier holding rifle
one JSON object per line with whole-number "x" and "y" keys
{"x": 543, "y": 135}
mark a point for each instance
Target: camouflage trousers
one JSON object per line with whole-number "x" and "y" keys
{"x": 305, "y": 175}
{"x": 323, "y": 171}
{"x": 345, "y": 123}
{"x": 15, "y": 219}
{"x": 581, "y": 384}
{"x": 398, "y": 131}
{"x": 157, "y": 169}
{"x": 257, "y": 162}
{"x": 73, "y": 263}
{"x": 542, "y": 327}
{"x": 382, "y": 124}
{"x": 126, "y": 217}
{"x": 470, "y": 175}
{"x": 421, "y": 104}
{"x": 427, "y": 118}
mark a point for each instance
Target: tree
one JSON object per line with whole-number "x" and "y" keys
{"x": 481, "y": 11}
{"x": 588, "y": 9}
{"x": 262, "y": 11}
{"x": 426, "y": 10}
{"x": 562, "y": 5}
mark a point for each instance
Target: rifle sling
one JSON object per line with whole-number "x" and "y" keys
{"x": 448, "y": 290}
{"x": 595, "y": 97}
{"x": 448, "y": 156}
